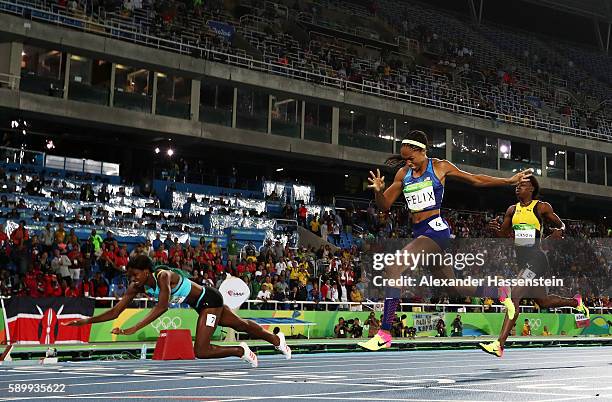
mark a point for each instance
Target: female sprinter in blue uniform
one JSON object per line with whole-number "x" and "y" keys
{"x": 421, "y": 179}
{"x": 167, "y": 287}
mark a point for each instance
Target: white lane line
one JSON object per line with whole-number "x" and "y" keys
{"x": 251, "y": 377}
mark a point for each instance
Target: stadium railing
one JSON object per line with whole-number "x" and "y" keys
{"x": 287, "y": 71}
{"x": 10, "y": 81}
{"x": 367, "y": 306}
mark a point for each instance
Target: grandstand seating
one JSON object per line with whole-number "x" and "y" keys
{"x": 474, "y": 80}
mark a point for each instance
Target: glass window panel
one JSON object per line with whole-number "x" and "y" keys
{"x": 216, "y": 103}
{"x": 361, "y": 129}
{"x": 286, "y": 116}
{"x": 92, "y": 166}
{"x": 133, "y": 88}
{"x": 42, "y": 71}
{"x": 110, "y": 169}
{"x": 252, "y": 110}
{"x": 89, "y": 80}
{"x": 173, "y": 96}
{"x": 595, "y": 165}
{"x": 74, "y": 164}
{"x": 474, "y": 149}
{"x": 318, "y": 122}
{"x": 575, "y": 166}
{"x": 54, "y": 162}
{"x": 515, "y": 156}
{"x": 555, "y": 163}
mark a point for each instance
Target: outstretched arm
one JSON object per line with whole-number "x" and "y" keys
{"x": 163, "y": 281}
{"x": 384, "y": 199}
{"x": 112, "y": 313}
{"x": 445, "y": 168}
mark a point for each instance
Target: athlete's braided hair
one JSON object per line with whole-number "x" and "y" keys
{"x": 143, "y": 262}
{"x": 396, "y": 161}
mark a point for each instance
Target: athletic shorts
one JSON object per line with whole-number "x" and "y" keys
{"x": 436, "y": 228}
{"x": 210, "y": 298}
{"x": 531, "y": 261}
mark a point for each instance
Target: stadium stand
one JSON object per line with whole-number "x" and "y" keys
{"x": 428, "y": 56}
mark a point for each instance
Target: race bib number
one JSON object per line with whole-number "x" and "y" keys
{"x": 419, "y": 195}
{"x": 438, "y": 224}
{"x": 524, "y": 235}
{"x": 527, "y": 274}
{"x": 210, "y": 320}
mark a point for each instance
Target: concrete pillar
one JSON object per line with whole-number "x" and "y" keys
{"x": 395, "y": 147}
{"x": 195, "y": 100}
{"x": 154, "y": 100}
{"x": 270, "y": 100}
{"x": 111, "y": 100}
{"x": 10, "y": 63}
{"x": 335, "y": 125}
{"x": 544, "y": 163}
{"x": 67, "y": 75}
{"x": 302, "y": 119}
{"x": 234, "y": 107}
{"x": 586, "y": 167}
{"x": 449, "y": 144}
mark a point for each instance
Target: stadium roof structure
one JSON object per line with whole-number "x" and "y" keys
{"x": 600, "y": 10}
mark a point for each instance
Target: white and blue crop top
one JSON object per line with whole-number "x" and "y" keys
{"x": 178, "y": 294}
{"x": 424, "y": 193}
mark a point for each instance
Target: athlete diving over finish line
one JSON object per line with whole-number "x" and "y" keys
{"x": 421, "y": 179}
{"x": 173, "y": 286}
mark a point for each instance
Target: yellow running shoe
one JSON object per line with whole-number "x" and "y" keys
{"x": 582, "y": 308}
{"x": 379, "y": 341}
{"x": 510, "y": 309}
{"x": 493, "y": 348}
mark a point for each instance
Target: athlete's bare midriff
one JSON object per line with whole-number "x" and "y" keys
{"x": 417, "y": 217}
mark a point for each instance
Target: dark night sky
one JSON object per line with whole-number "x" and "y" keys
{"x": 526, "y": 16}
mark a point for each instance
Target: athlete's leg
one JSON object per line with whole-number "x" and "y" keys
{"x": 496, "y": 348}
{"x": 230, "y": 319}
{"x": 508, "y": 324}
{"x": 207, "y": 323}
{"x": 420, "y": 245}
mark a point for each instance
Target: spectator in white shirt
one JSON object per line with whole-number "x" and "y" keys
{"x": 281, "y": 266}
{"x": 61, "y": 264}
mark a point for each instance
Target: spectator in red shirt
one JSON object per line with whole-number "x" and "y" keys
{"x": 302, "y": 212}
{"x": 3, "y": 237}
{"x": 160, "y": 255}
{"x": 72, "y": 291}
{"x": 219, "y": 267}
{"x": 20, "y": 234}
{"x": 100, "y": 286}
{"x": 52, "y": 287}
{"x": 121, "y": 260}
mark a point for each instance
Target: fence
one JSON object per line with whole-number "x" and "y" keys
{"x": 353, "y": 306}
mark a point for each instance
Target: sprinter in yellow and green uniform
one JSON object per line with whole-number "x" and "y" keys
{"x": 524, "y": 222}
